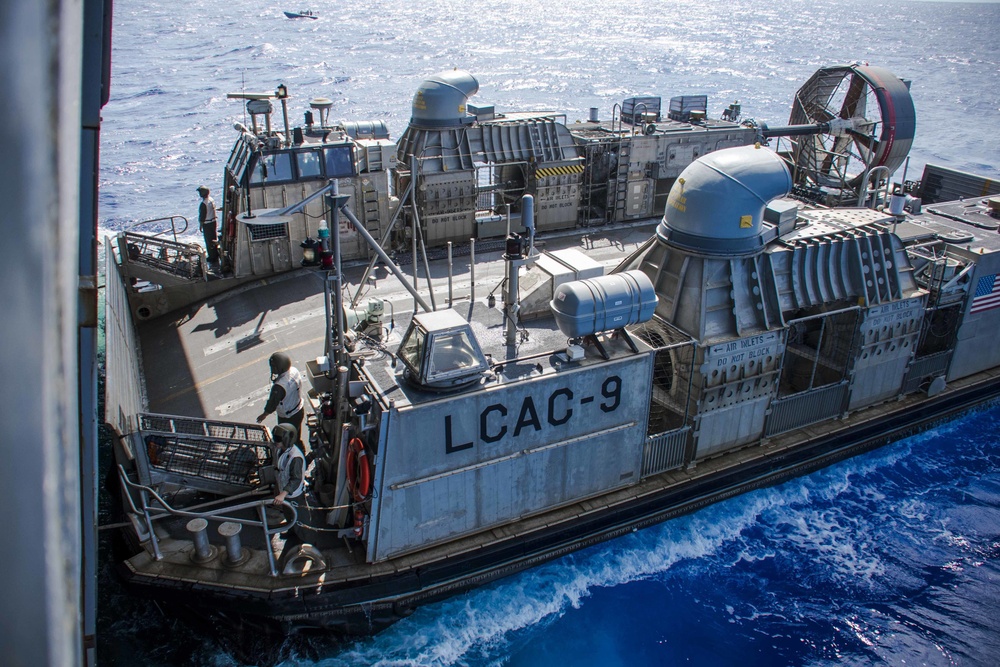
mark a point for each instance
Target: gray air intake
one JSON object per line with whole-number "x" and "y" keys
{"x": 440, "y": 100}
{"x": 716, "y": 205}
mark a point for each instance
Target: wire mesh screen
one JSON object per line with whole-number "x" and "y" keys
{"x": 205, "y": 427}
{"x": 819, "y": 351}
{"x": 672, "y": 367}
{"x": 163, "y": 254}
{"x": 203, "y": 449}
{"x": 259, "y": 232}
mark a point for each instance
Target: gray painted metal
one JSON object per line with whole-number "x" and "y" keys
{"x": 47, "y": 311}
{"x": 94, "y": 94}
{"x": 816, "y": 101}
{"x": 384, "y": 257}
{"x": 734, "y": 425}
{"x": 807, "y": 407}
{"x": 925, "y": 368}
{"x": 717, "y": 204}
{"x": 976, "y": 348}
{"x": 940, "y": 184}
{"x": 124, "y": 391}
{"x": 664, "y": 451}
{"x": 459, "y": 465}
{"x": 592, "y": 305}
{"x": 888, "y": 340}
{"x": 208, "y": 455}
{"x": 440, "y": 100}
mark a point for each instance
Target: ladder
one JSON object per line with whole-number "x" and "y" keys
{"x": 616, "y": 200}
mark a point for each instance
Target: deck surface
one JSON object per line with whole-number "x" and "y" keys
{"x": 211, "y": 361}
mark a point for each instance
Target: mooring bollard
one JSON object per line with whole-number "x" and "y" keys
{"x": 230, "y": 531}
{"x": 203, "y": 551}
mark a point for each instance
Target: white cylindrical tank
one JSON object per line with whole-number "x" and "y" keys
{"x": 584, "y": 307}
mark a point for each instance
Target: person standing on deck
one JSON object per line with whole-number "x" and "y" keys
{"x": 209, "y": 224}
{"x": 289, "y": 463}
{"x": 286, "y": 393}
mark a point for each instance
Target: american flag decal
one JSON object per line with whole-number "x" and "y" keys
{"x": 987, "y": 294}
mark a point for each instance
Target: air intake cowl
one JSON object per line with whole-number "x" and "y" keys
{"x": 440, "y": 100}
{"x": 717, "y": 204}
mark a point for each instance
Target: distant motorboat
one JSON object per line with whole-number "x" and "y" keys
{"x": 303, "y": 14}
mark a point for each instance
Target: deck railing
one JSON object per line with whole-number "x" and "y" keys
{"x": 152, "y": 507}
{"x": 184, "y": 260}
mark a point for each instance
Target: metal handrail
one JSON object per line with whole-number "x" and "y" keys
{"x": 173, "y": 225}
{"x": 146, "y": 246}
{"x": 166, "y": 510}
{"x": 870, "y": 186}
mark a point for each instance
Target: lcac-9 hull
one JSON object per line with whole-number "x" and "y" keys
{"x": 544, "y": 433}
{"x": 782, "y": 337}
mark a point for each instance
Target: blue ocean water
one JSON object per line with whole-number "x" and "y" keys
{"x": 891, "y": 558}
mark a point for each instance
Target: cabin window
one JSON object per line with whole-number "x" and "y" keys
{"x": 272, "y": 168}
{"x": 412, "y": 350}
{"x": 339, "y": 161}
{"x": 309, "y": 164}
{"x": 451, "y": 352}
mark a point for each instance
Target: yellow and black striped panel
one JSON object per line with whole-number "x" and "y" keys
{"x": 545, "y": 172}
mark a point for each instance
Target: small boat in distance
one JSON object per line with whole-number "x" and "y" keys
{"x": 302, "y": 14}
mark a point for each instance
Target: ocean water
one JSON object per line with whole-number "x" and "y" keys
{"x": 892, "y": 558}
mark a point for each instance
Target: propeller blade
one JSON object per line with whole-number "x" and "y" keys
{"x": 857, "y": 92}
{"x": 840, "y": 144}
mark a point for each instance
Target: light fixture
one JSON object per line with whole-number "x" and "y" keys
{"x": 282, "y": 91}
{"x": 310, "y": 248}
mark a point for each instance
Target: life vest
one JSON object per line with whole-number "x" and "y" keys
{"x": 291, "y": 382}
{"x": 206, "y": 212}
{"x": 285, "y": 467}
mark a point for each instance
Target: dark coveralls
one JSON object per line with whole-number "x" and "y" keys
{"x": 209, "y": 228}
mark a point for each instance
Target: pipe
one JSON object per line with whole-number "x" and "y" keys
{"x": 793, "y": 130}
{"x": 385, "y": 237}
{"x": 336, "y": 200}
{"x": 510, "y": 307}
{"x": 413, "y": 257}
{"x": 449, "y": 275}
{"x": 528, "y": 220}
{"x": 427, "y": 267}
{"x": 472, "y": 270}
{"x": 383, "y": 256}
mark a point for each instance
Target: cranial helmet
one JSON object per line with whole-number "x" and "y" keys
{"x": 284, "y": 434}
{"x": 280, "y": 363}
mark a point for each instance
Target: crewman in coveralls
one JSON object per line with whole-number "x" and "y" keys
{"x": 209, "y": 224}
{"x": 286, "y": 394}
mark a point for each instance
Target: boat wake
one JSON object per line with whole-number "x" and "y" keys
{"x": 835, "y": 564}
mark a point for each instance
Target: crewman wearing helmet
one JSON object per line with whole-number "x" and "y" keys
{"x": 289, "y": 463}
{"x": 286, "y": 394}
